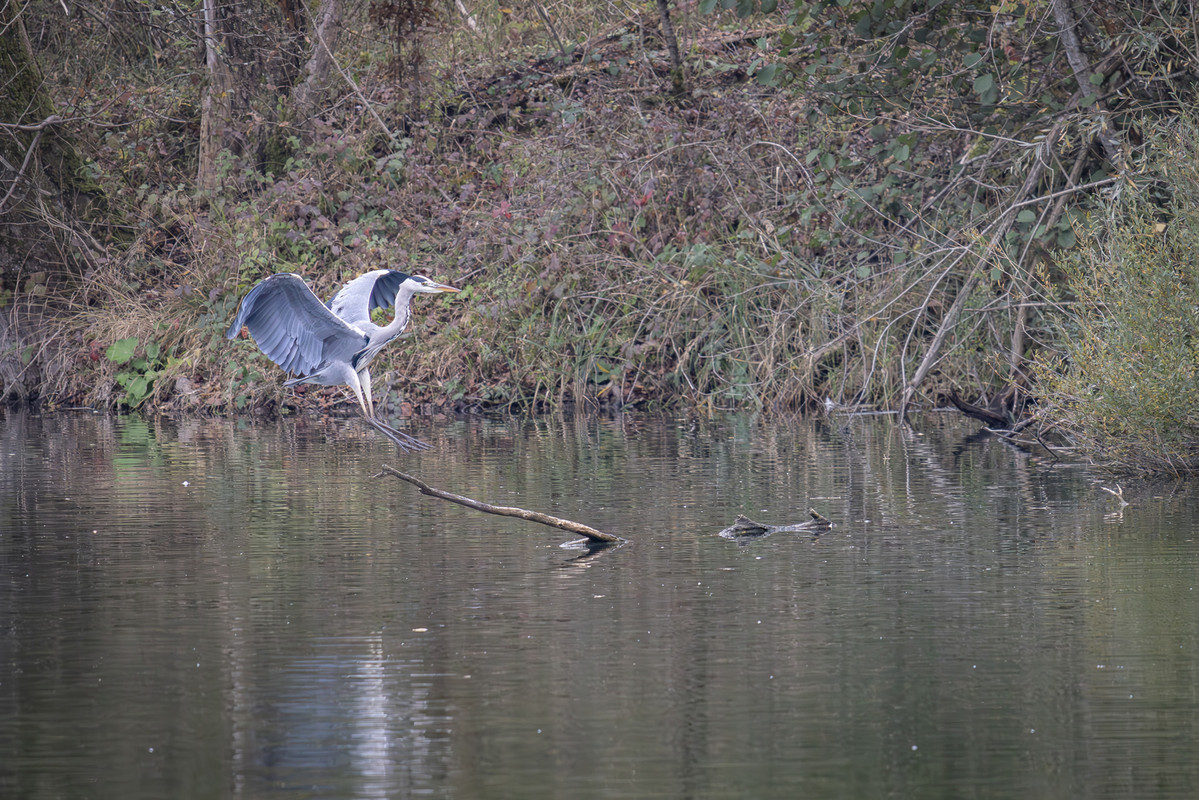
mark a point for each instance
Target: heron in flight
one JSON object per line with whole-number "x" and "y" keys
{"x": 333, "y": 345}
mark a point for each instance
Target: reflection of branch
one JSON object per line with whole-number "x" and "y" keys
{"x": 40, "y": 128}
{"x": 503, "y": 511}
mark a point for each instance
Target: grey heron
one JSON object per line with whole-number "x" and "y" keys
{"x": 334, "y": 344}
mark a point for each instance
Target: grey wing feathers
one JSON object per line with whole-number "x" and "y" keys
{"x": 358, "y": 298}
{"x": 384, "y": 293}
{"x": 292, "y": 326}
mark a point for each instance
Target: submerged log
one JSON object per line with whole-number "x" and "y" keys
{"x": 504, "y": 511}
{"x": 996, "y": 418}
{"x": 744, "y": 527}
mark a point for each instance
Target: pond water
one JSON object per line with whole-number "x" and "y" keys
{"x": 212, "y": 608}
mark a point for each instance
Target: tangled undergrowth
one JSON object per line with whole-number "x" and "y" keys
{"x": 830, "y": 203}
{"x": 1124, "y": 386}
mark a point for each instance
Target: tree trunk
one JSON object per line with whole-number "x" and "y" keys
{"x": 43, "y": 187}
{"x": 1081, "y": 67}
{"x": 216, "y": 103}
{"x": 306, "y": 98}
{"x": 672, "y": 46}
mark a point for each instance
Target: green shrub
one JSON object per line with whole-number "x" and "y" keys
{"x": 1125, "y": 387}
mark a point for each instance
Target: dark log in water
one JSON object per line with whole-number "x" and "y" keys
{"x": 504, "y": 511}
{"x": 744, "y": 527}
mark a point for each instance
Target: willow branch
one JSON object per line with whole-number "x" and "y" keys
{"x": 503, "y": 511}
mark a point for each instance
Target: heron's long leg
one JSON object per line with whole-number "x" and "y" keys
{"x": 353, "y": 382}
{"x": 364, "y": 375}
{"x": 409, "y": 444}
{"x": 411, "y": 441}
{"x": 360, "y": 382}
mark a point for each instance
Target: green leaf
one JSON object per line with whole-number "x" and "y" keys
{"x": 1096, "y": 79}
{"x": 984, "y": 83}
{"x": 1027, "y": 215}
{"x": 902, "y": 152}
{"x": 1066, "y": 238}
{"x": 138, "y": 389}
{"x": 996, "y": 274}
{"x": 121, "y": 351}
{"x": 152, "y": 349}
{"x": 863, "y": 271}
{"x": 707, "y": 6}
{"x": 768, "y": 6}
{"x": 766, "y": 75}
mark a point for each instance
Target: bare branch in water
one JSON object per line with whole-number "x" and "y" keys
{"x": 504, "y": 511}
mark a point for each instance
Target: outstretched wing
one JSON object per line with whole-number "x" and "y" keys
{"x": 358, "y": 298}
{"x": 293, "y": 327}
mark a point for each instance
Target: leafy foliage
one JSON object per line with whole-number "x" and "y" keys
{"x": 1127, "y": 389}
{"x": 851, "y": 194}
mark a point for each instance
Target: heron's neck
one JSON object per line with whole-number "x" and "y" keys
{"x": 403, "y": 307}
{"x": 381, "y": 336}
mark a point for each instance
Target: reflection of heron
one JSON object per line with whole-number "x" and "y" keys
{"x": 332, "y": 345}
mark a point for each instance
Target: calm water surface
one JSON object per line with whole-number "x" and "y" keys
{"x": 220, "y": 609}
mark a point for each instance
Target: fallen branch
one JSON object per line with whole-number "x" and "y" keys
{"x": 503, "y": 511}
{"x": 744, "y": 527}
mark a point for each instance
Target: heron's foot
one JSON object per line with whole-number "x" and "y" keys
{"x": 406, "y": 442}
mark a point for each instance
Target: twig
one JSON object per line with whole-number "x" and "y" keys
{"x": 503, "y": 511}
{"x": 470, "y": 18}
{"x": 40, "y": 128}
{"x": 1117, "y": 493}
{"x": 1002, "y": 225}
{"x": 395, "y": 142}
{"x": 550, "y": 27}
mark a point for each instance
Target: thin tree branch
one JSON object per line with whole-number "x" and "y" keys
{"x": 470, "y": 18}
{"x": 1002, "y": 225}
{"x": 503, "y": 511}
{"x": 40, "y": 128}
{"x": 395, "y": 142}
{"x": 549, "y": 25}
{"x": 327, "y": 26}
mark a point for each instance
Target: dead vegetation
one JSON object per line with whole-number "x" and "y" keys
{"x": 843, "y": 212}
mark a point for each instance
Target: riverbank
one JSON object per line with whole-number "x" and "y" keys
{"x": 814, "y": 206}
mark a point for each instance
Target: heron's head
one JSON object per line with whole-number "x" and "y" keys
{"x": 422, "y": 285}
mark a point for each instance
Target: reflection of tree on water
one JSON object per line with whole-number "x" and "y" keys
{"x": 242, "y": 599}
